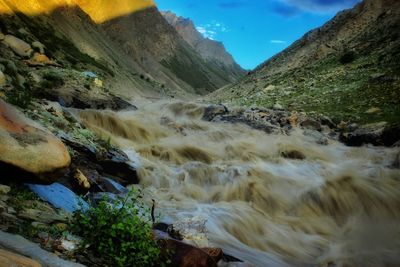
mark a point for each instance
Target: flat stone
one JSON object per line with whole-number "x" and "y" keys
{"x": 41, "y": 216}
{"x": 9, "y": 259}
{"x": 27, "y": 146}
{"x": 59, "y": 196}
{"x": 26, "y": 248}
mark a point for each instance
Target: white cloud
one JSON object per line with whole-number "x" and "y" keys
{"x": 277, "y": 42}
{"x": 212, "y": 29}
{"x": 321, "y": 6}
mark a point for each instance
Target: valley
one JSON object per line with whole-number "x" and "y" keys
{"x": 129, "y": 139}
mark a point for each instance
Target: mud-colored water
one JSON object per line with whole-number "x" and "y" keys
{"x": 340, "y": 206}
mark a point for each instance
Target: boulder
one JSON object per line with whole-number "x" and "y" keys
{"x": 28, "y": 148}
{"x": 3, "y": 79}
{"x": 277, "y": 106}
{"x": 39, "y": 46}
{"x": 39, "y": 60}
{"x": 215, "y": 253}
{"x": 8, "y": 259}
{"x": 293, "y": 154}
{"x": 311, "y": 125}
{"x": 112, "y": 163}
{"x": 182, "y": 254}
{"x": 379, "y": 134}
{"x": 59, "y": 196}
{"x": 212, "y": 111}
{"x": 19, "y": 46}
{"x": 318, "y": 137}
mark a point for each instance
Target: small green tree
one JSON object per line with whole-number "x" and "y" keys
{"x": 119, "y": 231}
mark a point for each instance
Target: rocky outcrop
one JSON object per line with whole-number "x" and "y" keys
{"x": 212, "y": 51}
{"x": 27, "y": 148}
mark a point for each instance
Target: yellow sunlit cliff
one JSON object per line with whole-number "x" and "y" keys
{"x": 99, "y": 10}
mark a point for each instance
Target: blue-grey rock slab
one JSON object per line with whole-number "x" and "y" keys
{"x": 59, "y": 196}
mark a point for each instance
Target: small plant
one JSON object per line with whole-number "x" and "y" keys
{"x": 119, "y": 231}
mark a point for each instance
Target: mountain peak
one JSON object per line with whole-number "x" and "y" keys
{"x": 210, "y": 50}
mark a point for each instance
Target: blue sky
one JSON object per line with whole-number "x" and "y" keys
{"x": 254, "y": 30}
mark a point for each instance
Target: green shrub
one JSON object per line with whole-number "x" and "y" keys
{"x": 21, "y": 96}
{"x": 51, "y": 80}
{"x": 119, "y": 232}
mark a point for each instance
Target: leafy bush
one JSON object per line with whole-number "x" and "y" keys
{"x": 52, "y": 79}
{"x": 119, "y": 231}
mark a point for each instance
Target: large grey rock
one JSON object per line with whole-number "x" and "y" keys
{"x": 19, "y": 46}
{"x": 26, "y": 146}
{"x": 24, "y": 247}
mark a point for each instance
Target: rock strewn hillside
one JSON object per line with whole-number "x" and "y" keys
{"x": 348, "y": 68}
{"x": 212, "y": 51}
{"x": 146, "y": 54}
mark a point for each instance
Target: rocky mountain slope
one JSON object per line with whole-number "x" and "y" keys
{"x": 347, "y": 69}
{"x": 144, "y": 54}
{"x": 212, "y": 51}
{"x": 159, "y": 49}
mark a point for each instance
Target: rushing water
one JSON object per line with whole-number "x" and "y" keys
{"x": 338, "y": 207}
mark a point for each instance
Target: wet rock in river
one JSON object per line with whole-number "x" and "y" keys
{"x": 293, "y": 154}
{"x": 184, "y": 255}
{"x": 380, "y": 134}
{"x": 212, "y": 111}
{"x": 311, "y": 124}
{"x": 112, "y": 163}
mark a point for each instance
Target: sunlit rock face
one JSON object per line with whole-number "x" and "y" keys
{"x": 100, "y": 11}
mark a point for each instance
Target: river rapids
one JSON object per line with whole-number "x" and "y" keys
{"x": 340, "y": 206}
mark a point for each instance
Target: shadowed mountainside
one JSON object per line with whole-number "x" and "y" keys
{"x": 146, "y": 54}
